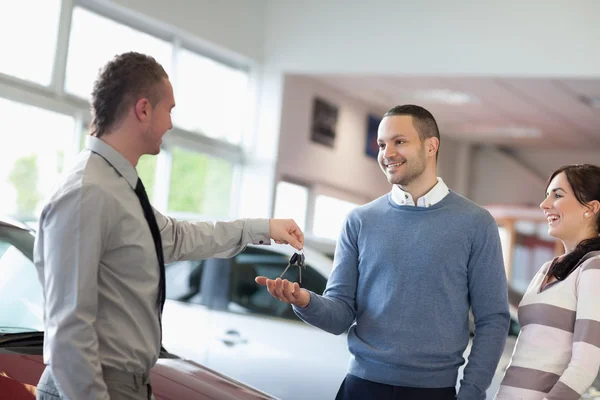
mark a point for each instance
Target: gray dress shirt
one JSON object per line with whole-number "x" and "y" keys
{"x": 97, "y": 263}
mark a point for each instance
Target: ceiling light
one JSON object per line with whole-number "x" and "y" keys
{"x": 505, "y": 131}
{"x": 445, "y": 96}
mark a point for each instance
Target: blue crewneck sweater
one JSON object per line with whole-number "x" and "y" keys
{"x": 403, "y": 281}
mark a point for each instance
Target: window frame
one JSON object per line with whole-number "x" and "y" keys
{"x": 54, "y": 98}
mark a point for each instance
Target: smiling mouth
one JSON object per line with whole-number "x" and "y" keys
{"x": 552, "y": 219}
{"x": 395, "y": 165}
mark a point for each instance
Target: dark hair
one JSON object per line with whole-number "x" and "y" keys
{"x": 584, "y": 179}
{"x": 120, "y": 83}
{"x": 422, "y": 120}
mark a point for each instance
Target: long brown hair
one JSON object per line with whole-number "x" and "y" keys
{"x": 584, "y": 179}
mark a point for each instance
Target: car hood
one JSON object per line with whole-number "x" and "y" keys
{"x": 199, "y": 382}
{"x": 172, "y": 379}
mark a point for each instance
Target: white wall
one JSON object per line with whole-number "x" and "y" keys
{"x": 448, "y": 166}
{"x": 497, "y": 37}
{"x": 345, "y": 168}
{"x": 234, "y": 25}
{"x": 497, "y": 178}
{"x": 546, "y": 161}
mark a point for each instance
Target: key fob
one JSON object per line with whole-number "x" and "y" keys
{"x": 294, "y": 259}
{"x": 300, "y": 259}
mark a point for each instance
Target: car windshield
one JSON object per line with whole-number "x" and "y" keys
{"x": 21, "y": 296}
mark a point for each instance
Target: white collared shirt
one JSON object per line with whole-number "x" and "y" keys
{"x": 435, "y": 195}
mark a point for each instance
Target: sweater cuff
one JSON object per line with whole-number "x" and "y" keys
{"x": 310, "y": 310}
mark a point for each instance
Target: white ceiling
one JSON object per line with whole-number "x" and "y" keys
{"x": 503, "y": 107}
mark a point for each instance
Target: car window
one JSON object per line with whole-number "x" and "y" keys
{"x": 3, "y": 247}
{"x": 250, "y": 298}
{"x": 21, "y": 296}
{"x": 183, "y": 281}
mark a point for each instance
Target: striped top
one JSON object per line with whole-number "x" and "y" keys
{"x": 557, "y": 355}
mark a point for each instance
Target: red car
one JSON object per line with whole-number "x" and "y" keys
{"x": 22, "y": 336}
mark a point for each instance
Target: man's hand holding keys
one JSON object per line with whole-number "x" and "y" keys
{"x": 284, "y": 290}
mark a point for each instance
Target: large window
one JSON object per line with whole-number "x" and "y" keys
{"x": 291, "y": 201}
{"x": 146, "y": 167}
{"x": 95, "y": 40}
{"x": 29, "y": 32}
{"x": 212, "y": 98}
{"x": 200, "y": 184}
{"x": 212, "y": 101}
{"x": 30, "y": 165}
{"x": 329, "y": 217}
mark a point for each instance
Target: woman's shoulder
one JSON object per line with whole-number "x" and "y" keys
{"x": 590, "y": 261}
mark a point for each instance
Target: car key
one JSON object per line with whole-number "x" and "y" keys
{"x": 300, "y": 263}
{"x": 296, "y": 259}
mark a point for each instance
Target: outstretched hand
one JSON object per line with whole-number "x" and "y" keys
{"x": 286, "y": 231}
{"x": 286, "y": 291}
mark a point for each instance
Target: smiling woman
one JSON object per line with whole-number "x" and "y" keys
{"x": 558, "y": 351}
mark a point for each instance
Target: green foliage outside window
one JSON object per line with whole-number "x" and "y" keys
{"x": 24, "y": 177}
{"x": 146, "y": 169}
{"x": 200, "y": 184}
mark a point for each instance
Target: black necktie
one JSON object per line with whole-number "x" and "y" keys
{"x": 149, "y": 214}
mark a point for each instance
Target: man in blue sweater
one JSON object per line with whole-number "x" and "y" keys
{"x": 407, "y": 268}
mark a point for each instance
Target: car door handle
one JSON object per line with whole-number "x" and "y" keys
{"x": 232, "y": 337}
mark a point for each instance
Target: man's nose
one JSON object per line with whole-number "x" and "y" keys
{"x": 390, "y": 152}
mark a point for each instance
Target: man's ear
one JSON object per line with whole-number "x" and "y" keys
{"x": 142, "y": 109}
{"x": 433, "y": 144}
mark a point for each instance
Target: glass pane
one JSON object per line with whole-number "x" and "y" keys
{"x": 95, "y": 40}
{"x": 21, "y": 297}
{"x": 330, "y": 214}
{"x": 505, "y": 243}
{"x": 248, "y": 297}
{"x": 29, "y": 31}
{"x": 183, "y": 281}
{"x": 146, "y": 167}
{"x": 32, "y": 163}
{"x": 83, "y": 138}
{"x": 532, "y": 248}
{"x": 212, "y": 98}
{"x": 290, "y": 202}
{"x": 200, "y": 184}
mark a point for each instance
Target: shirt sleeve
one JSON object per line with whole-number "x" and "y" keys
{"x": 185, "y": 240}
{"x": 585, "y": 357}
{"x": 69, "y": 245}
{"x": 488, "y": 294}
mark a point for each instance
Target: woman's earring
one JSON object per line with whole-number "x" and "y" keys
{"x": 586, "y": 214}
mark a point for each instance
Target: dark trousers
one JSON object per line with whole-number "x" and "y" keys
{"x": 354, "y": 388}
